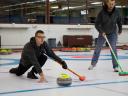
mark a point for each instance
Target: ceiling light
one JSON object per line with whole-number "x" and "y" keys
{"x": 120, "y": 6}
{"x": 96, "y": 3}
{"x": 55, "y": 7}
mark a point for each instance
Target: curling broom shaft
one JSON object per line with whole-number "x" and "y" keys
{"x": 113, "y": 53}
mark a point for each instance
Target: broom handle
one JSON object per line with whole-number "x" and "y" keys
{"x": 74, "y": 72}
{"x": 113, "y": 53}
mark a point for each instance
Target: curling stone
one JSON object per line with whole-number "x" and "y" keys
{"x": 64, "y": 80}
{"x": 3, "y": 52}
{"x": 10, "y": 51}
{"x": 74, "y": 49}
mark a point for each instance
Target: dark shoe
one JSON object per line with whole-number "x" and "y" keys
{"x": 31, "y": 75}
{"x": 13, "y": 70}
{"x": 116, "y": 69}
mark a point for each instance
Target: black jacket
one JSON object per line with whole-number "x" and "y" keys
{"x": 31, "y": 52}
{"x": 108, "y": 21}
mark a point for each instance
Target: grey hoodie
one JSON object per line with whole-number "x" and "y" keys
{"x": 109, "y": 22}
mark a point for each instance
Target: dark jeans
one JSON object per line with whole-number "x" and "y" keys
{"x": 22, "y": 69}
{"x": 112, "y": 38}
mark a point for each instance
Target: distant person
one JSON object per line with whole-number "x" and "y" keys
{"x": 35, "y": 54}
{"x": 108, "y": 23}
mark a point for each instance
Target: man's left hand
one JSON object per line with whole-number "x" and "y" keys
{"x": 64, "y": 65}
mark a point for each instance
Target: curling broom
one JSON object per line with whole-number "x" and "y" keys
{"x": 121, "y": 72}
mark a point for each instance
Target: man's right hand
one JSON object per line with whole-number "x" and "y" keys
{"x": 103, "y": 34}
{"x": 42, "y": 78}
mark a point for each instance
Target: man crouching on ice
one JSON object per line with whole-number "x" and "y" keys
{"x": 35, "y": 54}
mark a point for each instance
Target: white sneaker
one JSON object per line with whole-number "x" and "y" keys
{"x": 116, "y": 69}
{"x": 91, "y": 67}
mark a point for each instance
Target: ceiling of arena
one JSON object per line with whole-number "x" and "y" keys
{"x": 30, "y": 6}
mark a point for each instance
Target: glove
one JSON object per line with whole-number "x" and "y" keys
{"x": 64, "y": 65}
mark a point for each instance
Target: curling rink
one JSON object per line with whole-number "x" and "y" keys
{"x": 101, "y": 81}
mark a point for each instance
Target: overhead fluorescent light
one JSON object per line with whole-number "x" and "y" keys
{"x": 45, "y": 0}
{"x": 54, "y": 7}
{"x": 96, "y": 3}
{"x": 65, "y": 8}
{"x": 38, "y": 1}
{"x": 120, "y": 6}
{"x": 52, "y": 0}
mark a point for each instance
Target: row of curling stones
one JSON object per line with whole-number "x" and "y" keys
{"x": 64, "y": 80}
{"x": 5, "y": 51}
{"x": 124, "y": 47}
{"x": 76, "y": 49}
